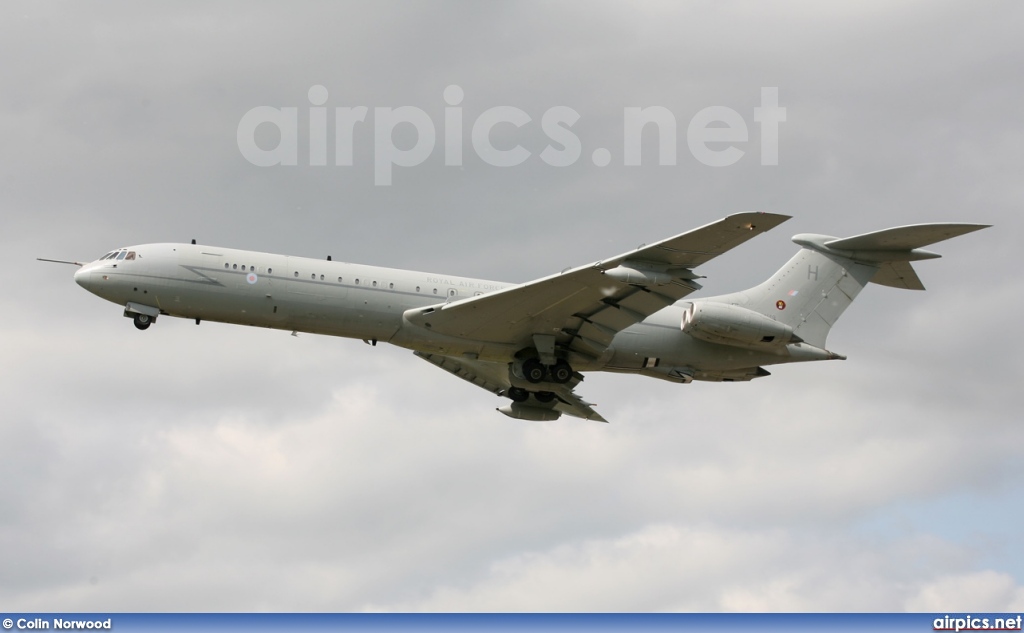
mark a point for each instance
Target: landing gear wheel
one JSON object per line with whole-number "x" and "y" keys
{"x": 560, "y": 372}
{"x": 533, "y": 370}
{"x": 518, "y": 394}
{"x": 142, "y": 321}
{"x": 544, "y": 396}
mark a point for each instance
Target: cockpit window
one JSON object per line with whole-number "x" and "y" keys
{"x": 108, "y": 255}
{"x": 121, "y": 255}
{"x": 130, "y": 255}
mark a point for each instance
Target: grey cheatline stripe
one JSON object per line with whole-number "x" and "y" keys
{"x": 204, "y": 279}
{"x": 330, "y": 284}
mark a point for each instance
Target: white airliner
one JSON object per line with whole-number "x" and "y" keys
{"x": 531, "y": 342}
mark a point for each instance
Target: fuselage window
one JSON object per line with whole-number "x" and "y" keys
{"x": 235, "y": 266}
{"x": 296, "y": 273}
{"x": 391, "y": 286}
{"x": 121, "y": 255}
{"x": 357, "y": 282}
{"x": 227, "y": 265}
{"x": 435, "y": 291}
{"x": 313, "y": 276}
{"x": 417, "y": 288}
{"x": 375, "y": 284}
{"x": 270, "y": 271}
{"x": 339, "y": 280}
{"x": 451, "y": 292}
{"x": 321, "y": 277}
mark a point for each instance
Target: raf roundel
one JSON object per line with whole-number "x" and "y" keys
{"x": 780, "y": 304}
{"x": 251, "y": 278}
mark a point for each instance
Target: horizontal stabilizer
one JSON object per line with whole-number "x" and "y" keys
{"x": 890, "y": 251}
{"x": 904, "y": 238}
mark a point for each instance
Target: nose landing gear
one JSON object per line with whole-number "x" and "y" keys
{"x": 142, "y": 321}
{"x": 141, "y": 315}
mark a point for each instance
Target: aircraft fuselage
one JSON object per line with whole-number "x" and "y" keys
{"x": 531, "y": 342}
{"x": 367, "y": 302}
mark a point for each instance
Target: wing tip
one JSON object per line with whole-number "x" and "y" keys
{"x": 759, "y": 220}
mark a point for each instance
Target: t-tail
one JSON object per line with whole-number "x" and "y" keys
{"x": 807, "y": 296}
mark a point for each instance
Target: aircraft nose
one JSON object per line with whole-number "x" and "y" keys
{"x": 83, "y": 277}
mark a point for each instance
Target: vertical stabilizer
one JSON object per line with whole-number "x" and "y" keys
{"x": 816, "y": 286}
{"x": 809, "y": 293}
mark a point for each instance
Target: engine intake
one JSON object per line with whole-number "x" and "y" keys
{"x": 732, "y": 325}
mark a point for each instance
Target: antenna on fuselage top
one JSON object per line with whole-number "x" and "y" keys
{"x": 193, "y": 240}
{"x": 328, "y": 258}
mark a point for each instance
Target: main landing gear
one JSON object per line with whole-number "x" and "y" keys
{"x": 518, "y": 394}
{"x": 535, "y": 372}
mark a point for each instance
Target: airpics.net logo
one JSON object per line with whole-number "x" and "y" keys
{"x": 714, "y": 136}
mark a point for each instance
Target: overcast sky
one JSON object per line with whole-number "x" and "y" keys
{"x": 227, "y": 468}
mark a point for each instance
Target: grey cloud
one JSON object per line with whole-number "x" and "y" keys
{"x": 223, "y": 468}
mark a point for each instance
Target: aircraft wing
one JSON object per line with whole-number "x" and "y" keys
{"x": 905, "y": 238}
{"x": 494, "y": 378}
{"x": 585, "y": 307}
